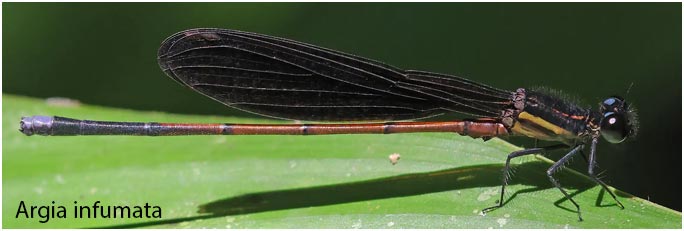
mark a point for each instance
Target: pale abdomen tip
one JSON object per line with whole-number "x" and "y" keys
{"x": 40, "y": 125}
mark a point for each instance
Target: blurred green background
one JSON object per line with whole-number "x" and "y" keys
{"x": 105, "y": 54}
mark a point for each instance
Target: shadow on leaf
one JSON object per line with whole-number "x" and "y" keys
{"x": 531, "y": 173}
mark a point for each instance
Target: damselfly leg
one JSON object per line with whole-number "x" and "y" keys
{"x": 593, "y": 176}
{"x": 556, "y": 167}
{"x": 507, "y": 169}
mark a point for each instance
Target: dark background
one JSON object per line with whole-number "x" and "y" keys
{"x": 105, "y": 54}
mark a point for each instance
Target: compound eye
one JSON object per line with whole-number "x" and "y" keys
{"x": 614, "y": 127}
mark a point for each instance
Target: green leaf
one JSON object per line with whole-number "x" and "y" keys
{"x": 338, "y": 181}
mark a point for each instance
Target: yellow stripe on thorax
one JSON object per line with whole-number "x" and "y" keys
{"x": 549, "y": 132}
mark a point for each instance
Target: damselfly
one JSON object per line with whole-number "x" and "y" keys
{"x": 287, "y": 79}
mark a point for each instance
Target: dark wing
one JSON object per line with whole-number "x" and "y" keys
{"x": 287, "y": 79}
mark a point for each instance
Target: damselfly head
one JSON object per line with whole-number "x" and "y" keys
{"x": 619, "y": 122}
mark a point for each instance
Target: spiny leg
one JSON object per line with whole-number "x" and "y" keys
{"x": 592, "y": 165}
{"x": 507, "y": 168}
{"x": 557, "y": 167}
